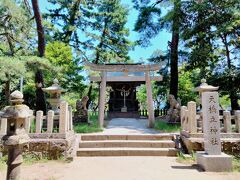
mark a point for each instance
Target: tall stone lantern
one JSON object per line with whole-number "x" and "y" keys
{"x": 16, "y": 136}
{"x": 55, "y": 95}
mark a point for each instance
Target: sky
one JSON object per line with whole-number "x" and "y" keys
{"x": 139, "y": 53}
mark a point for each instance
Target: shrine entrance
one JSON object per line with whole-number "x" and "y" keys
{"x": 122, "y": 100}
{"x": 123, "y": 80}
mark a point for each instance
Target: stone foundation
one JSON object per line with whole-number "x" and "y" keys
{"x": 214, "y": 163}
{"x": 52, "y": 146}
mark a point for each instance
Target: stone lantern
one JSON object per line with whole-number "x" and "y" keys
{"x": 55, "y": 95}
{"x": 204, "y": 87}
{"x": 16, "y": 136}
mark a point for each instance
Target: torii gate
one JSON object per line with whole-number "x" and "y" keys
{"x": 125, "y": 68}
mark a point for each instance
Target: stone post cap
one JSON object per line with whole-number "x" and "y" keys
{"x": 16, "y": 97}
{"x": 54, "y": 88}
{"x": 204, "y": 87}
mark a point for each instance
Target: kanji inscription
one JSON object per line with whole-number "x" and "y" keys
{"x": 211, "y": 123}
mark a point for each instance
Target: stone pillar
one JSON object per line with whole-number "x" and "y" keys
{"x": 211, "y": 123}
{"x": 192, "y": 121}
{"x": 237, "y": 120}
{"x": 183, "y": 117}
{"x": 70, "y": 118}
{"x": 101, "y": 105}
{"x": 227, "y": 121}
{"x": 39, "y": 120}
{"x": 28, "y": 121}
{"x": 186, "y": 122}
{"x": 50, "y": 116}
{"x": 212, "y": 159}
{"x": 63, "y": 120}
{"x": 3, "y": 128}
{"x": 151, "y": 117}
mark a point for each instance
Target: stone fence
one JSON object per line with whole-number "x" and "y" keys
{"x": 49, "y": 124}
{"x": 191, "y": 121}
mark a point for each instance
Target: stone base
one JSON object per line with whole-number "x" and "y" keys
{"x": 214, "y": 163}
{"x": 124, "y": 109}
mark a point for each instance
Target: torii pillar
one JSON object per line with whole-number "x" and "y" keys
{"x": 102, "y": 98}
{"x": 151, "y": 117}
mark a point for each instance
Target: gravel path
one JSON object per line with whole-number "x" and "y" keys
{"x": 128, "y": 126}
{"x": 119, "y": 168}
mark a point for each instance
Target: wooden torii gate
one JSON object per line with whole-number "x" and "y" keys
{"x": 125, "y": 68}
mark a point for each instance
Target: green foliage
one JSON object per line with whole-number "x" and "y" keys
{"x": 60, "y": 54}
{"x": 71, "y": 98}
{"x": 186, "y": 159}
{"x": 148, "y": 23}
{"x": 11, "y": 68}
{"x": 165, "y": 127}
{"x": 236, "y": 164}
{"x": 186, "y": 87}
{"x": 16, "y": 30}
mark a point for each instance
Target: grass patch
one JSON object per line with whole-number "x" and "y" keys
{"x": 165, "y": 127}
{"x": 88, "y": 128}
{"x": 30, "y": 159}
{"x": 181, "y": 158}
{"x": 3, "y": 164}
{"x": 236, "y": 164}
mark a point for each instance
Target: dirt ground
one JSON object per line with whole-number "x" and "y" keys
{"x": 119, "y": 168}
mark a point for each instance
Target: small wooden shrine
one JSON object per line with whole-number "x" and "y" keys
{"x": 123, "y": 80}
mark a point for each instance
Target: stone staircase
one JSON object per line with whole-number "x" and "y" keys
{"x": 127, "y": 145}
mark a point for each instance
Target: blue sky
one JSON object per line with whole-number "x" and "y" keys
{"x": 139, "y": 53}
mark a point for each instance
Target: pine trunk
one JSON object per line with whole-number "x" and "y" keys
{"x": 174, "y": 52}
{"x": 233, "y": 95}
{"x": 40, "y": 30}
{"x": 40, "y": 97}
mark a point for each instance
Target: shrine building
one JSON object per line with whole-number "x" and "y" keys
{"x": 123, "y": 80}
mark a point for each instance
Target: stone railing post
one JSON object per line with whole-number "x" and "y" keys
{"x": 183, "y": 117}
{"x": 192, "y": 121}
{"x": 186, "y": 123}
{"x": 50, "y": 116}
{"x": 28, "y": 121}
{"x": 63, "y": 120}
{"x": 3, "y": 128}
{"x": 227, "y": 121}
{"x": 70, "y": 118}
{"x": 39, "y": 120}
{"x": 237, "y": 120}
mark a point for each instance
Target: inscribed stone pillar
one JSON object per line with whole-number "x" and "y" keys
{"x": 50, "y": 117}
{"x": 101, "y": 105}
{"x": 211, "y": 123}
{"x": 227, "y": 121}
{"x": 63, "y": 120}
{"x": 39, "y": 120}
{"x": 237, "y": 120}
{"x": 192, "y": 122}
{"x": 151, "y": 118}
{"x": 3, "y": 128}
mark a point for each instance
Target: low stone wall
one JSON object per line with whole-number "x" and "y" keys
{"x": 193, "y": 142}
{"x": 52, "y": 146}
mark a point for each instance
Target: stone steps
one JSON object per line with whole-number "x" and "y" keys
{"x": 127, "y": 145}
{"x": 96, "y": 137}
{"x": 123, "y": 151}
